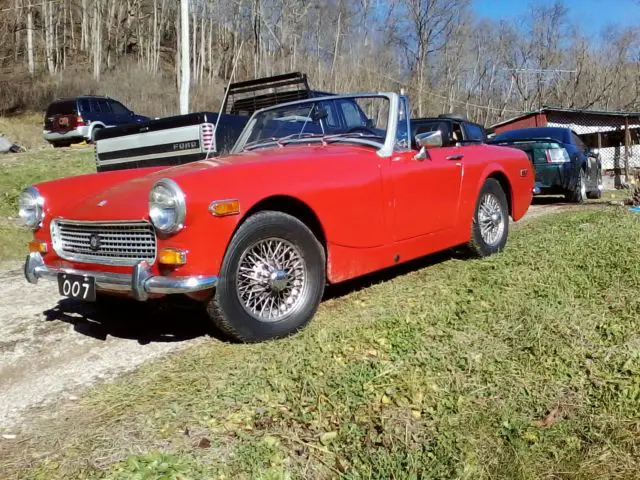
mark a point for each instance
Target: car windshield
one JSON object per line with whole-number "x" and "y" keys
{"x": 357, "y": 119}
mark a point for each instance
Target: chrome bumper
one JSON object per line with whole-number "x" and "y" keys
{"x": 140, "y": 283}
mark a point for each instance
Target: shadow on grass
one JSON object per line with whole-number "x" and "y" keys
{"x": 177, "y": 319}
{"x": 151, "y": 322}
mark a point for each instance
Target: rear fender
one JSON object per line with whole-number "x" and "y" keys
{"x": 93, "y": 126}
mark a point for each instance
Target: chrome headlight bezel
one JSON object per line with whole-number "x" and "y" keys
{"x": 31, "y": 208}
{"x": 172, "y": 205}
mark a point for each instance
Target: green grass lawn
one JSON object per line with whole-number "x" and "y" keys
{"x": 524, "y": 365}
{"x": 21, "y": 170}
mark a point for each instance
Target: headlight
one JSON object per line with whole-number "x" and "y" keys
{"x": 167, "y": 208}
{"x": 31, "y": 208}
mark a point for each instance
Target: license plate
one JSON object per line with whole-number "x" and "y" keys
{"x": 77, "y": 286}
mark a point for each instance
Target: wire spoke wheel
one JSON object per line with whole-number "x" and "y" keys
{"x": 491, "y": 219}
{"x": 271, "y": 279}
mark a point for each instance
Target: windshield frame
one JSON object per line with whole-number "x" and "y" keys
{"x": 385, "y": 150}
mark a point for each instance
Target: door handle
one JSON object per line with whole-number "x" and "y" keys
{"x": 458, "y": 156}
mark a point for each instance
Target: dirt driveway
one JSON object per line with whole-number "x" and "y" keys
{"x": 52, "y": 348}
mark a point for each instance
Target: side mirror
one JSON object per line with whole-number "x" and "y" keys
{"x": 429, "y": 139}
{"x": 369, "y": 123}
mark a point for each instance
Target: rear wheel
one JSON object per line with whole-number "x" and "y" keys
{"x": 93, "y": 134}
{"x": 597, "y": 193}
{"x": 271, "y": 281}
{"x": 579, "y": 192}
{"x": 490, "y": 226}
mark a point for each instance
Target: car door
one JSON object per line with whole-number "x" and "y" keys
{"x": 106, "y": 114}
{"x": 121, "y": 114}
{"x": 426, "y": 193}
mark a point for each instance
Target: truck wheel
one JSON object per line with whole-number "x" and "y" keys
{"x": 271, "y": 281}
{"x": 579, "y": 192}
{"x": 597, "y": 193}
{"x": 490, "y": 225}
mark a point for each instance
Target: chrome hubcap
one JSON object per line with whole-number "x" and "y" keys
{"x": 490, "y": 219}
{"x": 271, "y": 279}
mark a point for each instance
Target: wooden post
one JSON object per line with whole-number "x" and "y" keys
{"x": 185, "y": 62}
{"x": 627, "y": 153}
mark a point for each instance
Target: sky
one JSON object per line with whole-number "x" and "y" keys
{"x": 593, "y": 14}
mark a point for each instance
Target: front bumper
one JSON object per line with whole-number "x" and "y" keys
{"x": 139, "y": 284}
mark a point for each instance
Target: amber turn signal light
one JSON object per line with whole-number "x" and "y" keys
{"x": 222, "y": 208}
{"x": 38, "y": 246}
{"x": 172, "y": 256}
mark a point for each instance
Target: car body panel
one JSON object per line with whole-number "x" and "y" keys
{"x": 374, "y": 211}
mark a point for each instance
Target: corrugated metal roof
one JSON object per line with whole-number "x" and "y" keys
{"x": 547, "y": 109}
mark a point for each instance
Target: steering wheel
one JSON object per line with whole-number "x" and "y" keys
{"x": 369, "y": 131}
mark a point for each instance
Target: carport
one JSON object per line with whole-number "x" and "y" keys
{"x": 615, "y": 134}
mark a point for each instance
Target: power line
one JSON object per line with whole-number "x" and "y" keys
{"x": 539, "y": 70}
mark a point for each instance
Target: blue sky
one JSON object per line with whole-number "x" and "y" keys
{"x": 593, "y": 14}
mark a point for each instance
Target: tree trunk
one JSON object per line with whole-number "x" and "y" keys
{"x": 47, "y": 13}
{"x": 30, "y": 39}
{"x": 97, "y": 39}
{"x": 84, "y": 36}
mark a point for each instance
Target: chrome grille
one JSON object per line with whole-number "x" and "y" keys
{"x": 116, "y": 243}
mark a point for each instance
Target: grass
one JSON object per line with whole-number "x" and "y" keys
{"x": 523, "y": 365}
{"x": 18, "y": 171}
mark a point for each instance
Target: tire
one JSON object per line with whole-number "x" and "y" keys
{"x": 579, "y": 192}
{"x": 597, "y": 193}
{"x": 93, "y": 134}
{"x": 231, "y": 308}
{"x": 492, "y": 211}
{"x": 61, "y": 144}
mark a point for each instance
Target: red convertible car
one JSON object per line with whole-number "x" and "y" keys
{"x": 314, "y": 192}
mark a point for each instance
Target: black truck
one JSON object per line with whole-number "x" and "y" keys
{"x": 195, "y": 136}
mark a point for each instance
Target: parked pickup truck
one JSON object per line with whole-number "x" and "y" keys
{"x": 187, "y": 138}
{"x": 563, "y": 163}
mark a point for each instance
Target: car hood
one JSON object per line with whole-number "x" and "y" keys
{"x": 128, "y": 199}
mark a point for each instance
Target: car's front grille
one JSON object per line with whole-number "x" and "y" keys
{"x": 112, "y": 243}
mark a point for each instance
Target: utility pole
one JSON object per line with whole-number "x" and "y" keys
{"x": 185, "y": 62}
